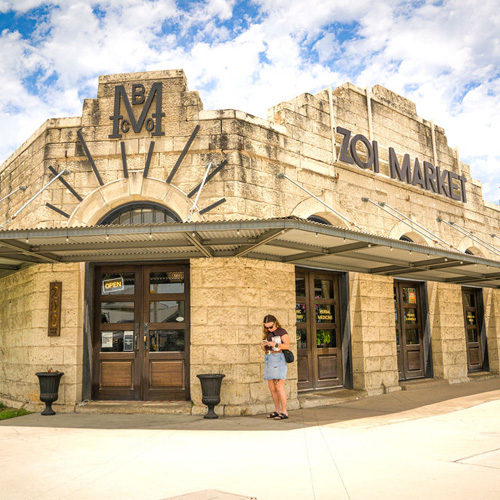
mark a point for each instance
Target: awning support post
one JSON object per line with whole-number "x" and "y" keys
{"x": 193, "y": 208}
{"x": 10, "y": 219}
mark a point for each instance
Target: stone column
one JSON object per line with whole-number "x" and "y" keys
{"x": 447, "y": 332}
{"x": 229, "y": 299}
{"x": 375, "y": 365}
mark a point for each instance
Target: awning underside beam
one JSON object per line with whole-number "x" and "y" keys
{"x": 288, "y": 240}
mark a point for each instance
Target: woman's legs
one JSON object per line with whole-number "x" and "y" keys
{"x": 274, "y": 393}
{"x": 279, "y": 387}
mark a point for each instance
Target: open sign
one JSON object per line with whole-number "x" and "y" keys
{"x": 113, "y": 285}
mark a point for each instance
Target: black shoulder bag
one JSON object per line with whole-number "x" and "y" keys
{"x": 289, "y": 357}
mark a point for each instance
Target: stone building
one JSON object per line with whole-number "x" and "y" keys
{"x": 142, "y": 244}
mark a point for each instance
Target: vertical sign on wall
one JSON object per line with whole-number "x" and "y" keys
{"x": 55, "y": 294}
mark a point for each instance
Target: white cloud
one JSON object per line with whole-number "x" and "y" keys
{"x": 445, "y": 56}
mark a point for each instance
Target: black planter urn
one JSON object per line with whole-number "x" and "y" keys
{"x": 210, "y": 391}
{"x": 49, "y": 389}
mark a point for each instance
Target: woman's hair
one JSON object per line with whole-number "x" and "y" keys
{"x": 269, "y": 319}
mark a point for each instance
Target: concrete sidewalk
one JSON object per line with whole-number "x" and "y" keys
{"x": 433, "y": 443}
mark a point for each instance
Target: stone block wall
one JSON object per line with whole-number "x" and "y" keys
{"x": 229, "y": 299}
{"x": 25, "y": 347}
{"x": 374, "y": 355}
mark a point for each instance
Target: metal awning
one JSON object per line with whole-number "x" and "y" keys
{"x": 296, "y": 241}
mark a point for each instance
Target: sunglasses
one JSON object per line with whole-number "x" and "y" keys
{"x": 268, "y": 327}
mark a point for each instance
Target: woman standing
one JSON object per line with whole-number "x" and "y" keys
{"x": 274, "y": 341}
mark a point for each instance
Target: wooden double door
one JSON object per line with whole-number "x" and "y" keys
{"x": 473, "y": 320}
{"x": 409, "y": 329}
{"x": 141, "y": 333}
{"x": 318, "y": 330}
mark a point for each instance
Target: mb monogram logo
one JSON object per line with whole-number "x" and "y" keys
{"x": 123, "y": 124}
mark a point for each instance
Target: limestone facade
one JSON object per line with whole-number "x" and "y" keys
{"x": 229, "y": 296}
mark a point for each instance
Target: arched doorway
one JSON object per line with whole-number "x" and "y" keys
{"x": 140, "y": 333}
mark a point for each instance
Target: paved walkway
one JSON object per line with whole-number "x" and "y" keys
{"x": 434, "y": 443}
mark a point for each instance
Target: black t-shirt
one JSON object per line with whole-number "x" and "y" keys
{"x": 275, "y": 337}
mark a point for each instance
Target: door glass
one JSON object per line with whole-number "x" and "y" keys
{"x": 301, "y": 339}
{"x": 469, "y": 299}
{"x": 324, "y": 313}
{"x": 397, "y": 337}
{"x": 472, "y": 336}
{"x": 117, "y": 312}
{"x": 300, "y": 287}
{"x": 166, "y": 340}
{"x": 167, "y": 282}
{"x": 410, "y": 316}
{"x": 166, "y": 311}
{"x": 114, "y": 283}
{"x": 326, "y": 338}
{"x": 409, "y": 295}
{"x": 117, "y": 341}
{"x": 471, "y": 317}
{"x": 412, "y": 337}
{"x": 323, "y": 289}
{"x": 300, "y": 313}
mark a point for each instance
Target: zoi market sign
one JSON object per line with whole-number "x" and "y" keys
{"x": 426, "y": 175}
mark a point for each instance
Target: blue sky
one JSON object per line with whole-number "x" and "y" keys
{"x": 250, "y": 55}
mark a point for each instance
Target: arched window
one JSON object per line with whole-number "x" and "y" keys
{"x": 405, "y": 238}
{"x": 139, "y": 213}
{"x": 317, "y": 218}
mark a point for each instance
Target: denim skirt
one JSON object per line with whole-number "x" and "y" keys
{"x": 275, "y": 366}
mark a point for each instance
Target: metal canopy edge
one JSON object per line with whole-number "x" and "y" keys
{"x": 289, "y": 239}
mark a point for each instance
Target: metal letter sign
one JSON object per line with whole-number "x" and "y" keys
{"x": 152, "y": 123}
{"x": 55, "y": 309}
{"x": 428, "y": 177}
